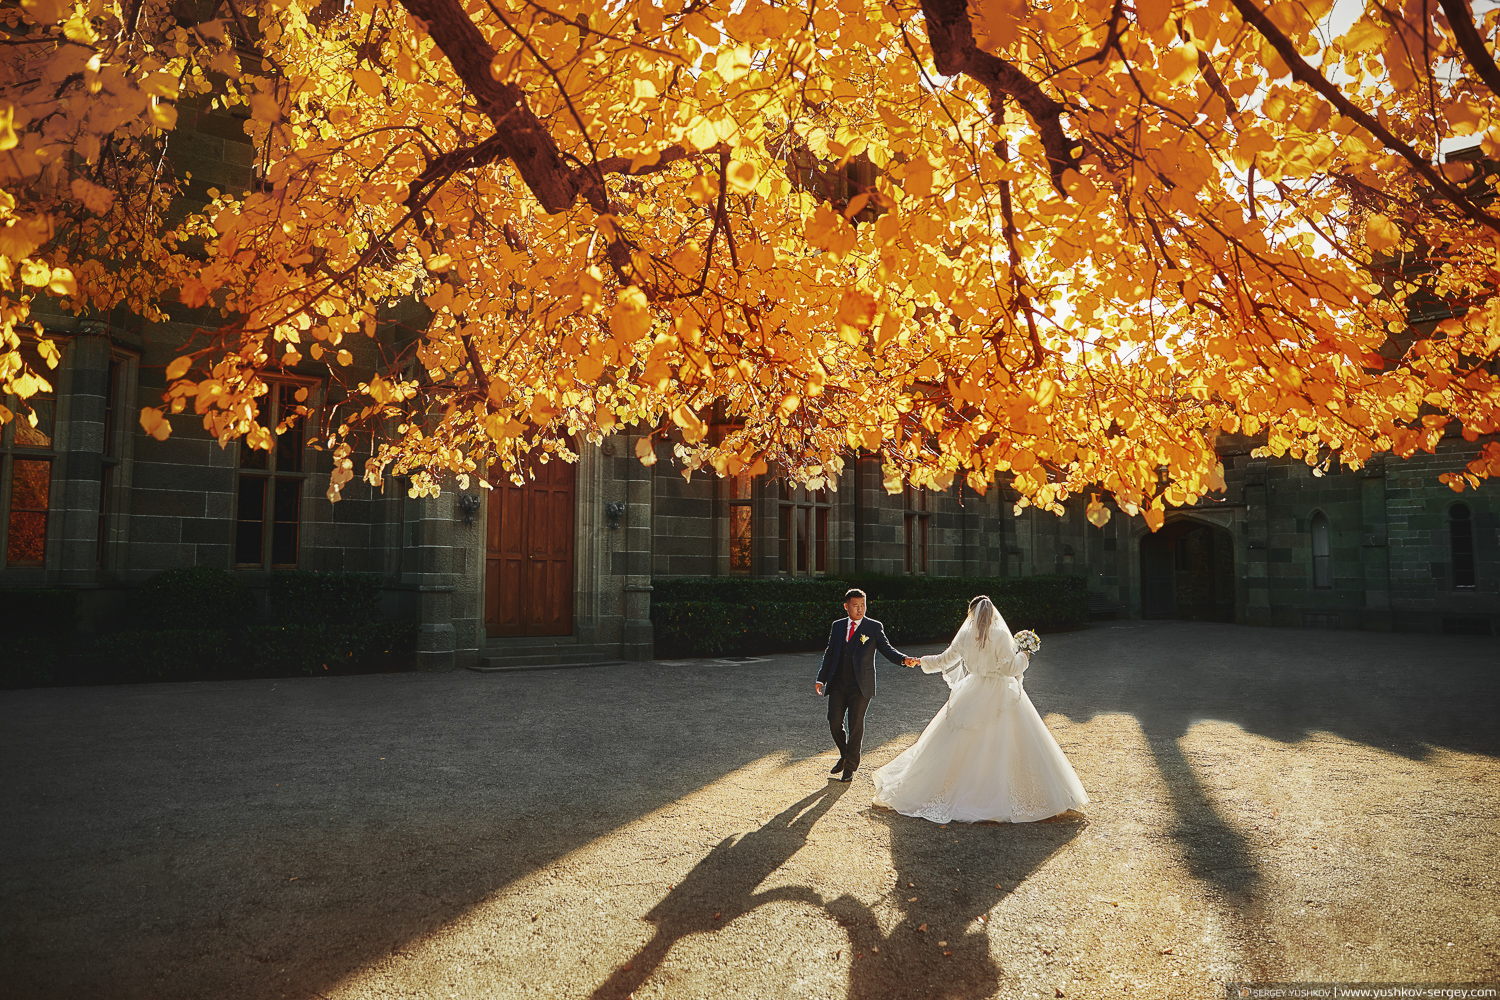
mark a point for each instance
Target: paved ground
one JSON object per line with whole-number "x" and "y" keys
{"x": 1267, "y": 804}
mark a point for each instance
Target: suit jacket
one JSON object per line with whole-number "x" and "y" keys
{"x": 870, "y": 636}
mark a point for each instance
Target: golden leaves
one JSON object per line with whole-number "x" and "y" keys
{"x": 1381, "y": 233}
{"x": 155, "y": 423}
{"x": 856, "y": 314}
{"x": 828, "y": 230}
{"x": 631, "y": 318}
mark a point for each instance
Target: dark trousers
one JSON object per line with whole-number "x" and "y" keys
{"x": 850, "y": 702}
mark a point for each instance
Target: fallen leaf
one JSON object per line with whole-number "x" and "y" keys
{"x": 538, "y": 913}
{"x": 1057, "y": 991}
{"x": 999, "y": 886}
{"x": 874, "y": 950}
{"x": 912, "y": 900}
{"x": 942, "y": 944}
{"x": 625, "y": 967}
{"x": 947, "y": 954}
{"x": 911, "y": 885}
{"x": 1166, "y": 951}
{"x": 922, "y": 929}
{"x": 716, "y": 916}
{"x": 292, "y": 879}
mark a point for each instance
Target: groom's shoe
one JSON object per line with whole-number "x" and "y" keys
{"x": 848, "y": 772}
{"x": 837, "y": 767}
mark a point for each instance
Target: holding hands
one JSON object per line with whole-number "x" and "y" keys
{"x": 912, "y": 661}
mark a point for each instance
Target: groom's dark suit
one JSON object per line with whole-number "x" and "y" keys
{"x": 848, "y": 679}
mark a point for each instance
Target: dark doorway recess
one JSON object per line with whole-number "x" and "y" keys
{"x": 1187, "y": 572}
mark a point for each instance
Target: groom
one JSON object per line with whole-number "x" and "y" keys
{"x": 847, "y": 677}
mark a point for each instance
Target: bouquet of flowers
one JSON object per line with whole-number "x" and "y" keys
{"x": 1027, "y": 641}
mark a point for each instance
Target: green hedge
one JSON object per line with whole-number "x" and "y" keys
{"x": 747, "y": 616}
{"x": 255, "y": 651}
{"x": 197, "y": 597}
{"x": 325, "y": 598}
{"x": 200, "y": 627}
{"x": 36, "y": 629}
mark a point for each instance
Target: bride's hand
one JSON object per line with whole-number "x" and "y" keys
{"x": 912, "y": 661}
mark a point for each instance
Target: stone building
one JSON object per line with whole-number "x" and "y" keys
{"x": 561, "y": 569}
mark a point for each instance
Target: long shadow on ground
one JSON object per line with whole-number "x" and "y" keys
{"x": 263, "y": 839}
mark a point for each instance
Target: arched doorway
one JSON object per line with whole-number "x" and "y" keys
{"x": 528, "y": 571}
{"x": 1187, "y": 572}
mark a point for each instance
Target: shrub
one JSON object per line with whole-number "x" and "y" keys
{"x": 746, "y": 616}
{"x": 196, "y": 597}
{"x": 179, "y": 654}
{"x": 36, "y": 628}
{"x": 289, "y": 650}
{"x": 309, "y": 598}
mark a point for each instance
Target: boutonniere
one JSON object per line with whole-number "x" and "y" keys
{"x": 864, "y": 638}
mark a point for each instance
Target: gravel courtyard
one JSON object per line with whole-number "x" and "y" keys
{"x": 1267, "y": 804}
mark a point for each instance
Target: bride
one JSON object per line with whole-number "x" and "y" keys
{"x": 986, "y": 755}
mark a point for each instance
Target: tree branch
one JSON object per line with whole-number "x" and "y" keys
{"x": 954, "y": 50}
{"x": 1257, "y": 19}
{"x": 1461, "y": 20}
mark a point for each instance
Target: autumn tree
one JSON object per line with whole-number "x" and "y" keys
{"x": 1092, "y": 235}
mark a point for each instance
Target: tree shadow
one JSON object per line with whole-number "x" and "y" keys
{"x": 721, "y": 887}
{"x": 1403, "y": 693}
{"x": 940, "y": 949}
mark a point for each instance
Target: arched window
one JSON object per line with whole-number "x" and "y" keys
{"x": 1461, "y": 541}
{"x": 1322, "y": 550}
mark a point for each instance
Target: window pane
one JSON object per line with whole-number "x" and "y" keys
{"x": 820, "y": 541}
{"x": 30, "y": 487}
{"x": 1461, "y": 538}
{"x": 784, "y": 556}
{"x": 1322, "y": 552}
{"x": 39, "y": 436}
{"x": 289, "y": 443}
{"x": 739, "y": 486}
{"x": 911, "y": 543}
{"x": 739, "y": 538}
{"x": 922, "y": 544}
{"x": 106, "y": 480}
{"x": 110, "y": 404}
{"x": 250, "y": 526}
{"x": 1322, "y": 572}
{"x": 288, "y": 518}
{"x": 256, "y": 458}
{"x": 801, "y": 522}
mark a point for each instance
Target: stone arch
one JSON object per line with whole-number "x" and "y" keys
{"x": 1187, "y": 570}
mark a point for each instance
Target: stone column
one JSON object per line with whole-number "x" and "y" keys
{"x": 638, "y": 641}
{"x": 1257, "y": 545}
{"x": 82, "y": 388}
{"x": 1374, "y": 552}
{"x": 429, "y": 569}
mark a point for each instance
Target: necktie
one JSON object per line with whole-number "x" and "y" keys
{"x": 852, "y": 626}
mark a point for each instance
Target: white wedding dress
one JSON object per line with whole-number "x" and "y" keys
{"x": 987, "y": 755}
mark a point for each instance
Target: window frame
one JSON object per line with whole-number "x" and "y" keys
{"x": 742, "y": 507}
{"x": 267, "y": 469}
{"x": 1456, "y": 557}
{"x": 11, "y": 452}
{"x": 811, "y": 510}
{"x": 1322, "y": 562}
{"x": 916, "y": 530}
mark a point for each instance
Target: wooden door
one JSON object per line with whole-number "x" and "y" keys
{"x": 528, "y": 579}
